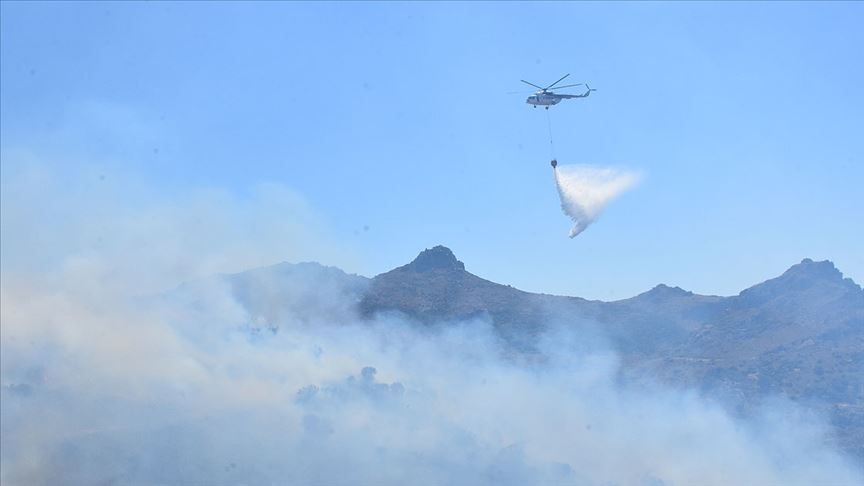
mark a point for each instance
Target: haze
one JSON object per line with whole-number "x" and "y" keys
{"x": 156, "y": 154}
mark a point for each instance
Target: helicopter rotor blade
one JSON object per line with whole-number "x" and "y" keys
{"x": 567, "y": 86}
{"x": 556, "y": 82}
{"x": 532, "y": 84}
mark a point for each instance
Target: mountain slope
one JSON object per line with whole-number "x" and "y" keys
{"x": 800, "y": 335}
{"x": 436, "y": 287}
{"x": 302, "y": 293}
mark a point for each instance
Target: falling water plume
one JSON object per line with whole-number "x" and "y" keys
{"x": 585, "y": 191}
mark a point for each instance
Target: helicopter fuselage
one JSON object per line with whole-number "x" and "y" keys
{"x": 544, "y": 99}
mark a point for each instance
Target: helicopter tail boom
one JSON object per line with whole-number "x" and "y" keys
{"x": 587, "y": 92}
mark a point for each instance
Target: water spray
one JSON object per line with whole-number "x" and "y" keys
{"x": 585, "y": 191}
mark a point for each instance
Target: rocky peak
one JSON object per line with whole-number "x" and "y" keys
{"x": 824, "y": 270}
{"x": 437, "y": 258}
{"x": 663, "y": 289}
{"x": 663, "y": 292}
{"x": 807, "y": 276}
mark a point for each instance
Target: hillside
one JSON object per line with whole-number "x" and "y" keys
{"x": 799, "y": 336}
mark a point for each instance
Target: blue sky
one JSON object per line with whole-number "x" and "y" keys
{"x": 393, "y": 122}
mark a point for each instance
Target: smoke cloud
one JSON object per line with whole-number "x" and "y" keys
{"x": 585, "y": 191}
{"x": 106, "y": 382}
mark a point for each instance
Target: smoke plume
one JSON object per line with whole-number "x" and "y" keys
{"x": 106, "y": 382}
{"x": 585, "y": 191}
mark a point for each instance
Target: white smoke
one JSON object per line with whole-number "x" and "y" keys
{"x": 102, "y": 386}
{"x": 585, "y": 191}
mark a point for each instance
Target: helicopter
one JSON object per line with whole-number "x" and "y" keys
{"x": 547, "y": 97}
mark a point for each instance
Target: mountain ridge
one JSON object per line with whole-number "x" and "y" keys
{"x": 799, "y": 335}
